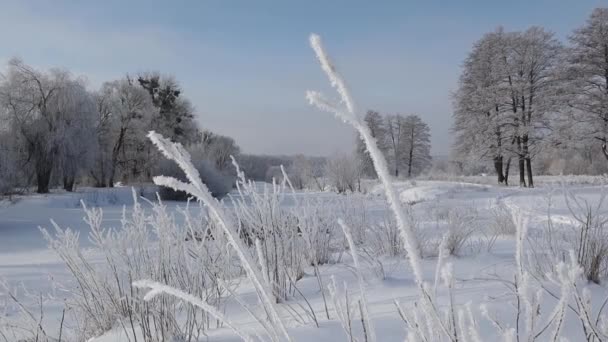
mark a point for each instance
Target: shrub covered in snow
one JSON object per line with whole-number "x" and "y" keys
{"x": 149, "y": 244}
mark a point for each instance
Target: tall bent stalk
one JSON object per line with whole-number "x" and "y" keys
{"x": 349, "y": 115}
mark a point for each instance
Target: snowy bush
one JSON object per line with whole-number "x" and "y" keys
{"x": 263, "y": 222}
{"x": 502, "y": 221}
{"x": 318, "y": 228}
{"x": 385, "y": 234}
{"x": 22, "y": 313}
{"x": 585, "y": 233}
{"x": 343, "y": 172}
{"x": 149, "y": 244}
{"x": 460, "y": 225}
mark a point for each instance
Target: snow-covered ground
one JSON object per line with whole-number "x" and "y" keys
{"x": 479, "y": 269}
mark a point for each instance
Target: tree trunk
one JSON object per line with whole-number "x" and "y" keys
{"x": 522, "y": 167}
{"x": 529, "y": 172}
{"x": 409, "y": 165}
{"x": 507, "y": 168}
{"x": 115, "y": 152}
{"x": 605, "y": 152}
{"x": 498, "y": 169}
{"x": 101, "y": 183}
{"x": 522, "y": 172}
{"x": 68, "y": 183}
{"x": 43, "y": 179}
{"x": 528, "y": 160}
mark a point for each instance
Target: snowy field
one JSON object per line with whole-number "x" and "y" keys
{"x": 483, "y": 263}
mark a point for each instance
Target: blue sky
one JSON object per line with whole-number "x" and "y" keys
{"x": 246, "y": 64}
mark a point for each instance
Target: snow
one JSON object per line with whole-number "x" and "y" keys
{"x": 25, "y": 260}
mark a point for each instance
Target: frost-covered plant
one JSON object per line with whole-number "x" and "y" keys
{"x": 585, "y": 232}
{"x": 349, "y": 114}
{"x": 148, "y": 244}
{"x": 22, "y": 316}
{"x": 263, "y": 219}
{"x": 386, "y": 238}
{"x": 318, "y": 228}
{"x": 591, "y": 235}
{"x": 502, "y": 221}
{"x": 272, "y": 323}
{"x": 368, "y": 328}
{"x": 461, "y": 225}
{"x": 343, "y": 307}
{"x": 157, "y": 289}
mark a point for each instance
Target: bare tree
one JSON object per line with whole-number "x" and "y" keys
{"x": 376, "y": 124}
{"x": 300, "y": 172}
{"x": 126, "y": 110}
{"x": 587, "y": 78}
{"x": 533, "y": 79}
{"x": 481, "y": 120}
{"x": 218, "y": 149}
{"x": 394, "y": 135}
{"x": 416, "y": 145}
{"x": 26, "y": 96}
{"x": 13, "y": 157}
{"x": 506, "y": 96}
{"x": 77, "y": 108}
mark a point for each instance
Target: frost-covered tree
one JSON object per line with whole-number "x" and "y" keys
{"x": 77, "y": 108}
{"x": 300, "y": 171}
{"x": 175, "y": 116}
{"x": 13, "y": 158}
{"x": 587, "y": 79}
{"x": 407, "y": 144}
{"x": 27, "y": 99}
{"x": 377, "y": 126}
{"x": 481, "y": 123}
{"x": 124, "y": 112}
{"x": 404, "y": 141}
{"x": 343, "y": 172}
{"x": 416, "y": 145}
{"x": 126, "y": 109}
{"x": 506, "y": 98}
{"x": 218, "y": 149}
{"x": 394, "y": 135}
{"x": 533, "y": 79}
